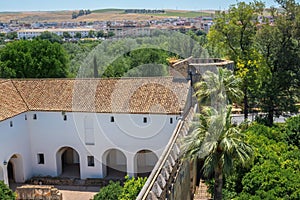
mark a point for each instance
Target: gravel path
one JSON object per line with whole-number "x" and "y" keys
{"x": 77, "y": 195}
{"x": 77, "y": 192}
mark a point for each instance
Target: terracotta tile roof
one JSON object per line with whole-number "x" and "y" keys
{"x": 126, "y": 95}
{"x": 11, "y": 103}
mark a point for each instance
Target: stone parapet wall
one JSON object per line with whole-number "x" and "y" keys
{"x": 38, "y": 192}
{"x": 71, "y": 181}
{"x": 170, "y": 178}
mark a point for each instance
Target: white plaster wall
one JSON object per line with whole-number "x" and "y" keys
{"x": 128, "y": 133}
{"x": 15, "y": 140}
{"x": 49, "y": 133}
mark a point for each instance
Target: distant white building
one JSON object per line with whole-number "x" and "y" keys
{"x": 87, "y": 128}
{"x": 32, "y": 33}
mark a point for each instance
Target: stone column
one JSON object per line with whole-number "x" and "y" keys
{"x": 5, "y": 174}
{"x": 131, "y": 165}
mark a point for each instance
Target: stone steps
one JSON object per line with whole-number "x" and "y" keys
{"x": 201, "y": 192}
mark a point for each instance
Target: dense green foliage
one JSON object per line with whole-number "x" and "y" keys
{"x": 275, "y": 169}
{"x": 110, "y": 192}
{"x": 233, "y": 36}
{"x": 33, "y": 59}
{"x": 267, "y": 56}
{"x": 52, "y": 37}
{"x": 132, "y": 187}
{"x": 5, "y": 192}
{"x": 139, "y": 63}
{"x": 115, "y": 191}
{"x": 279, "y": 47}
{"x": 145, "y": 56}
{"x": 77, "y": 52}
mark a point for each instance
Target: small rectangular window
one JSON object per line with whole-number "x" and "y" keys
{"x": 65, "y": 117}
{"x": 145, "y": 119}
{"x": 91, "y": 162}
{"x": 34, "y": 116}
{"x": 41, "y": 159}
{"x": 11, "y": 124}
{"x": 112, "y": 119}
{"x": 171, "y": 120}
{"x": 25, "y": 117}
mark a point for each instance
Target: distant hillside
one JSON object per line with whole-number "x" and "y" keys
{"x": 185, "y": 13}
{"x": 96, "y": 15}
{"x": 114, "y": 10}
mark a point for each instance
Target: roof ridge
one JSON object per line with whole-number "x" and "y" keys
{"x": 72, "y": 79}
{"x": 20, "y": 95}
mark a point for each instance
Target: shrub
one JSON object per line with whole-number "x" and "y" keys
{"x": 132, "y": 187}
{"x": 109, "y": 192}
{"x": 5, "y": 192}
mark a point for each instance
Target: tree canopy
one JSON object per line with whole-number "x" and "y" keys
{"x": 33, "y": 59}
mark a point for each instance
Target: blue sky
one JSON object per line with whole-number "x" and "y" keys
{"x": 36, "y": 5}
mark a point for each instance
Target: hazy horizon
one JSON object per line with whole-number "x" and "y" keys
{"x": 58, "y": 5}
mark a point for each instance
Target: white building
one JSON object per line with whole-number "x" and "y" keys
{"x": 93, "y": 127}
{"x": 32, "y": 33}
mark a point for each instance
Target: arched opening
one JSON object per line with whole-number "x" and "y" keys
{"x": 115, "y": 164}
{"x": 68, "y": 163}
{"x": 145, "y": 161}
{"x": 15, "y": 170}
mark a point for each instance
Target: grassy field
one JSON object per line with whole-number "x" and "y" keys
{"x": 188, "y": 14}
{"x": 111, "y": 14}
{"x": 114, "y": 10}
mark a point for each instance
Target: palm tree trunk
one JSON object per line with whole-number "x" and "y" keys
{"x": 218, "y": 183}
{"x": 246, "y": 106}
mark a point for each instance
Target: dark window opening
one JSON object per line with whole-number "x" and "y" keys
{"x": 91, "y": 162}
{"x": 112, "y": 119}
{"x": 145, "y": 119}
{"x": 11, "y": 124}
{"x": 41, "y": 158}
{"x": 65, "y": 117}
{"x": 25, "y": 117}
{"x": 171, "y": 120}
{"x": 34, "y": 116}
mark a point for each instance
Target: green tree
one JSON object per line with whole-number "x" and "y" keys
{"x": 5, "y": 192}
{"x": 33, "y": 59}
{"x": 233, "y": 35}
{"x": 279, "y": 47}
{"x": 95, "y": 67}
{"x": 67, "y": 35}
{"x": 52, "y": 37}
{"x": 219, "y": 144}
{"x": 77, "y": 35}
{"x": 110, "y": 34}
{"x": 12, "y": 35}
{"x": 74, "y": 15}
{"x": 100, "y": 34}
{"x": 91, "y": 34}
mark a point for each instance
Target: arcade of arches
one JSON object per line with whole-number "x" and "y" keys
{"x": 68, "y": 164}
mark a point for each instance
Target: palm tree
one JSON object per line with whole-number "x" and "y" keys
{"x": 218, "y": 89}
{"x": 214, "y": 139}
{"x": 218, "y": 143}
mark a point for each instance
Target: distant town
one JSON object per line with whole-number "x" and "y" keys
{"x": 74, "y": 30}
